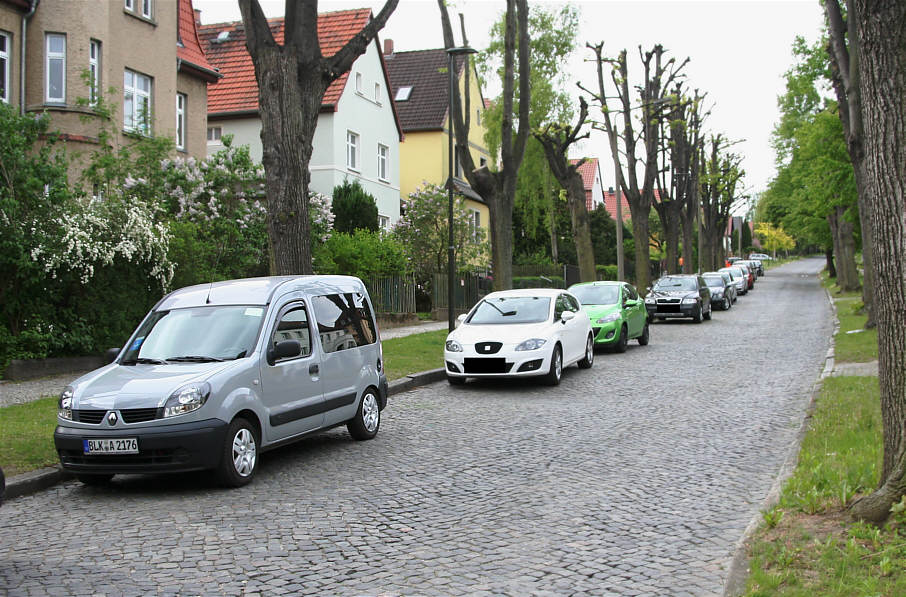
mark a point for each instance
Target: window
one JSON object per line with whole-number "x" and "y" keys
{"x": 181, "y": 121}
{"x": 377, "y": 93}
{"x": 214, "y": 134}
{"x": 4, "y": 67}
{"x": 344, "y": 321}
{"x": 474, "y": 222}
{"x": 358, "y": 82}
{"x": 383, "y": 222}
{"x": 482, "y": 162}
{"x": 478, "y": 116}
{"x": 55, "y": 68}
{"x": 146, "y": 8}
{"x": 136, "y": 102}
{"x": 352, "y": 150}
{"x": 402, "y": 94}
{"x": 94, "y": 70}
{"x": 383, "y": 155}
{"x": 293, "y": 325}
{"x": 130, "y": 5}
{"x": 457, "y": 167}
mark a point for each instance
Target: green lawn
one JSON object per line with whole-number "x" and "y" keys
{"x": 857, "y": 347}
{"x": 26, "y": 440}
{"x": 807, "y": 545}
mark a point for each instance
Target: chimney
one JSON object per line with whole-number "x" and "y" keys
{"x": 388, "y": 47}
{"x": 197, "y": 17}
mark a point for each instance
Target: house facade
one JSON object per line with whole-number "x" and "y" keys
{"x": 357, "y": 136}
{"x": 610, "y": 203}
{"x": 591, "y": 179}
{"x": 420, "y": 87}
{"x": 147, "y": 51}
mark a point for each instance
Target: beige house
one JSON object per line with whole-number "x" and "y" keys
{"x": 59, "y": 56}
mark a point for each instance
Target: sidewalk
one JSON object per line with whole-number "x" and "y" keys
{"x": 26, "y": 391}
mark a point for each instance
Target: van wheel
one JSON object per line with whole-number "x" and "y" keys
{"x": 94, "y": 480}
{"x": 239, "y": 459}
{"x": 367, "y": 419}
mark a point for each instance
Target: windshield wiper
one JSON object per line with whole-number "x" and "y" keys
{"x": 194, "y": 359}
{"x": 144, "y": 361}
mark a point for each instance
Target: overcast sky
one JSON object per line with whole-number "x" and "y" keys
{"x": 739, "y": 50}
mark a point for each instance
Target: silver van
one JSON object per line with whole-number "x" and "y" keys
{"x": 218, "y": 373}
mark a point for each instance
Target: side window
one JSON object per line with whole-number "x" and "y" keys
{"x": 293, "y": 325}
{"x": 559, "y": 307}
{"x": 344, "y": 321}
{"x": 572, "y": 303}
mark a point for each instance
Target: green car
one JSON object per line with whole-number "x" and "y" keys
{"x": 616, "y": 311}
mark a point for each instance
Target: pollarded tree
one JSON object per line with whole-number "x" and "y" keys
{"x": 556, "y": 140}
{"x": 498, "y": 188}
{"x": 292, "y": 79}
{"x": 720, "y": 174}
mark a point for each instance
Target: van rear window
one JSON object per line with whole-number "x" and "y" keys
{"x": 344, "y": 321}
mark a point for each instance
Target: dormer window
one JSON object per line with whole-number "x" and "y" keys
{"x": 402, "y": 94}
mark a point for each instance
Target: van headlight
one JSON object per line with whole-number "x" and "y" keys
{"x": 64, "y": 407}
{"x": 186, "y": 399}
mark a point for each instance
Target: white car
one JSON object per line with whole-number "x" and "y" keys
{"x": 520, "y": 333}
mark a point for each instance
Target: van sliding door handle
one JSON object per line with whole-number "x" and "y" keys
{"x": 313, "y": 369}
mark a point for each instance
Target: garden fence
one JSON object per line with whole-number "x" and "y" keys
{"x": 393, "y": 294}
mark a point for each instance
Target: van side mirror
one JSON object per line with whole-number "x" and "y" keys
{"x": 284, "y": 350}
{"x": 111, "y": 355}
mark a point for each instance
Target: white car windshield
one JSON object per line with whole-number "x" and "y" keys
{"x": 511, "y": 309}
{"x": 196, "y": 334}
{"x": 597, "y": 295}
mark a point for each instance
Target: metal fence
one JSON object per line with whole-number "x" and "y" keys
{"x": 467, "y": 289}
{"x": 395, "y": 294}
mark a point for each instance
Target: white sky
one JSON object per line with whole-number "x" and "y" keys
{"x": 739, "y": 50}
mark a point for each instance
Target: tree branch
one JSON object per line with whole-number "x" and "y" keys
{"x": 342, "y": 61}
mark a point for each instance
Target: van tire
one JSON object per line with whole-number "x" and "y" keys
{"x": 238, "y": 466}
{"x": 367, "y": 420}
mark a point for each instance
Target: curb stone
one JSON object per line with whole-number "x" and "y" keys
{"x": 35, "y": 481}
{"x": 738, "y": 574}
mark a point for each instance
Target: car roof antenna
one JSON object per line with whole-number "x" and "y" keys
{"x": 207, "y": 299}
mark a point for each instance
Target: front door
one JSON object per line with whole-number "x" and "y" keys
{"x": 291, "y": 388}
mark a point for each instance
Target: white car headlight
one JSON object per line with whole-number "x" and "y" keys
{"x": 187, "y": 399}
{"x": 64, "y": 410}
{"x": 453, "y": 346}
{"x": 608, "y": 318}
{"x": 531, "y": 344}
{"x": 689, "y": 301}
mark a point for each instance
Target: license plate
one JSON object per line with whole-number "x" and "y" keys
{"x": 127, "y": 445}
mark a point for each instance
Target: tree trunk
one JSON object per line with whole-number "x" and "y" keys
{"x": 578, "y": 211}
{"x": 868, "y": 292}
{"x": 642, "y": 268}
{"x": 881, "y": 28}
{"x": 844, "y": 249}
{"x": 689, "y": 266}
{"x": 829, "y": 260}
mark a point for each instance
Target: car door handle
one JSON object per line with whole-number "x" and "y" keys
{"x": 313, "y": 369}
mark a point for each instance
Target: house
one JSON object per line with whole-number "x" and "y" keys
{"x": 358, "y": 134}
{"x": 148, "y": 50}
{"x": 611, "y": 204}
{"x": 591, "y": 179}
{"x": 420, "y": 87}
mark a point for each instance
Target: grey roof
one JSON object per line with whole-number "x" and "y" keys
{"x": 426, "y": 72}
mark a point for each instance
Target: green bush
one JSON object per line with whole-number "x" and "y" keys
{"x": 606, "y": 272}
{"x": 363, "y": 253}
{"x": 538, "y": 282}
{"x": 353, "y": 208}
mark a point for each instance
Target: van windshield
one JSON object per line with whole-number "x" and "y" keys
{"x": 196, "y": 334}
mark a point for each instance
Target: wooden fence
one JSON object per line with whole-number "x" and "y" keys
{"x": 395, "y": 294}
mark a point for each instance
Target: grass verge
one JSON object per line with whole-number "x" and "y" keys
{"x": 26, "y": 441}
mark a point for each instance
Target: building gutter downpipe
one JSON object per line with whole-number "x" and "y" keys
{"x": 25, "y": 18}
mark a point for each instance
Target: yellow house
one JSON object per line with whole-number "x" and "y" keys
{"x": 420, "y": 90}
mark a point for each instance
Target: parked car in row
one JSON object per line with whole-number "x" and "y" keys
{"x": 520, "y": 333}
{"x": 218, "y": 373}
{"x": 679, "y": 295}
{"x": 760, "y": 256}
{"x": 723, "y": 291}
{"x": 744, "y": 273}
{"x": 616, "y": 311}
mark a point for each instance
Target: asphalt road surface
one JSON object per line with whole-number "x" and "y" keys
{"x": 635, "y": 477}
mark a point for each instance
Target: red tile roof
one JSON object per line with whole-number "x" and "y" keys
{"x": 188, "y": 46}
{"x": 588, "y": 170}
{"x": 238, "y": 90}
{"x": 611, "y": 205}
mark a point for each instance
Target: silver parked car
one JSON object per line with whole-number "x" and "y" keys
{"x": 740, "y": 278}
{"x": 218, "y": 373}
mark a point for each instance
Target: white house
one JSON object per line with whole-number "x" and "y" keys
{"x": 358, "y": 133}
{"x": 591, "y": 178}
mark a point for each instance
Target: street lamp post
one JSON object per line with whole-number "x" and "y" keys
{"x": 451, "y": 262}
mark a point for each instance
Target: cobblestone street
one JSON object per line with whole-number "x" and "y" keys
{"x": 636, "y": 477}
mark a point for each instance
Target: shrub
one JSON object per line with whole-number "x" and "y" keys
{"x": 353, "y": 208}
{"x": 363, "y": 253}
{"x": 606, "y": 272}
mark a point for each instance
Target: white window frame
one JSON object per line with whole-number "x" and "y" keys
{"x": 474, "y": 222}
{"x": 377, "y": 93}
{"x": 4, "y": 69}
{"x": 383, "y": 163}
{"x": 130, "y": 121}
{"x": 358, "y": 83}
{"x": 129, "y": 4}
{"x": 403, "y": 93}
{"x": 383, "y": 222}
{"x": 181, "y": 101}
{"x": 147, "y": 8}
{"x": 94, "y": 71}
{"x": 48, "y": 57}
{"x": 215, "y": 133}
{"x": 352, "y": 150}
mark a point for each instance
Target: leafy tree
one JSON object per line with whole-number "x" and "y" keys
{"x": 604, "y": 235}
{"x": 292, "y": 79}
{"x": 773, "y": 238}
{"x": 353, "y": 208}
{"x": 363, "y": 253}
{"x": 423, "y": 230}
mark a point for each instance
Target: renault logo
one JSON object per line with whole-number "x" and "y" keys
{"x": 111, "y": 418}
